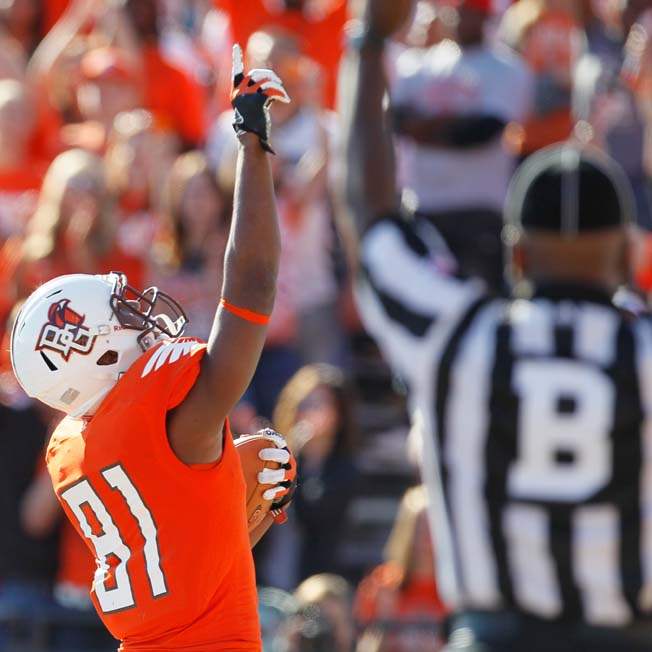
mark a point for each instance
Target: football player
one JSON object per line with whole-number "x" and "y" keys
{"x": 144, "y": 464}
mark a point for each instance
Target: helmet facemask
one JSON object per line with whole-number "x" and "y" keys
{"x": 153, "y": 312}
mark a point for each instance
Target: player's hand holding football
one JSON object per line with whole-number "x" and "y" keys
{"x": 282, "y": 481}
{"x": 251, "y": 98}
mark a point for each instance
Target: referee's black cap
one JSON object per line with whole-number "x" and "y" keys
{"x": 569, "y": 189}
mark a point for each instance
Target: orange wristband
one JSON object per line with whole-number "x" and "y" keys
{"x": 243, "y": 313}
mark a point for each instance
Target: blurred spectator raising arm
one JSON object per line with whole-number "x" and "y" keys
{"x": 133, "y": 34}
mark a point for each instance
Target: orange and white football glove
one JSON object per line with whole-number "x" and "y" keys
{"x": 251, "y": 98}
{"x": 282, "y": 481}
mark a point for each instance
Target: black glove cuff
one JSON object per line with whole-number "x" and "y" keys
{"x": 251, "y": 116}
{"x": 264, "y": 143}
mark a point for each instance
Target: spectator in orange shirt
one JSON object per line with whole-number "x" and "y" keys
{"x": 168, "y": 92}
{"x": 109, "y": 85}
{"x": 318, "y": 25}
{"x": 397, "y": 605}
{"x": 175, "y": 99}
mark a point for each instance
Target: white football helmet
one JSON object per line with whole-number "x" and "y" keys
{"x": 77, "y": 334}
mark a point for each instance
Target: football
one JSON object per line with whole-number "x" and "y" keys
{"x": 248, "y": 448}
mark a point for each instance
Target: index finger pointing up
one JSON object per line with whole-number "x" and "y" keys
{"x": 238, "y": 65}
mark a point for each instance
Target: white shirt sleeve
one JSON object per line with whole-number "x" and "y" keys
{"x": 510, "y": 93}
{"x": 406, "y": 291}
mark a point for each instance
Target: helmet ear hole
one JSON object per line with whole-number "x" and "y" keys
{"x": 107, "y": 358}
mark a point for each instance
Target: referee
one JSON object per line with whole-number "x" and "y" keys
{"x": 535, "y": 411}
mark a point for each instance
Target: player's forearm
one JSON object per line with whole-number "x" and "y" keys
{"x": 370, "y": 179}
{"x": 254, "y": 248}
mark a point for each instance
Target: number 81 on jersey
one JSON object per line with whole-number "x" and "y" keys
{"x": 109, "y": 542}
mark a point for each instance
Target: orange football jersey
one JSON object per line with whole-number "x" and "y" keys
{"x": 76, "y": 568}
{"x": 174, "y": 565}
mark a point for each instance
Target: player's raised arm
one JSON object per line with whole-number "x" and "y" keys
{"x": 250, "y": 270}
{"x": 370, "y": 190}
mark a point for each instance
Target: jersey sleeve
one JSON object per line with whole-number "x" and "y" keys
{"x": 407, "y": 291}
{"x": 171, "y": 370}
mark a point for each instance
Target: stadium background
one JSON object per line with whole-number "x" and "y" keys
{"x": 116, "y": 152}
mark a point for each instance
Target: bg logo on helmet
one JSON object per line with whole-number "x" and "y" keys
{"x": 64, "y": 332}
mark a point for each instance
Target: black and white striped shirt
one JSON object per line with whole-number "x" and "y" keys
{"x": 536, "y": 417}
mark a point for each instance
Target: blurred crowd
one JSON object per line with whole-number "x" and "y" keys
{"x": 117, "y": 153}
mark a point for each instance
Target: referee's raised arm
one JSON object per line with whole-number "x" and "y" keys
{"x": 370, "y": 180}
